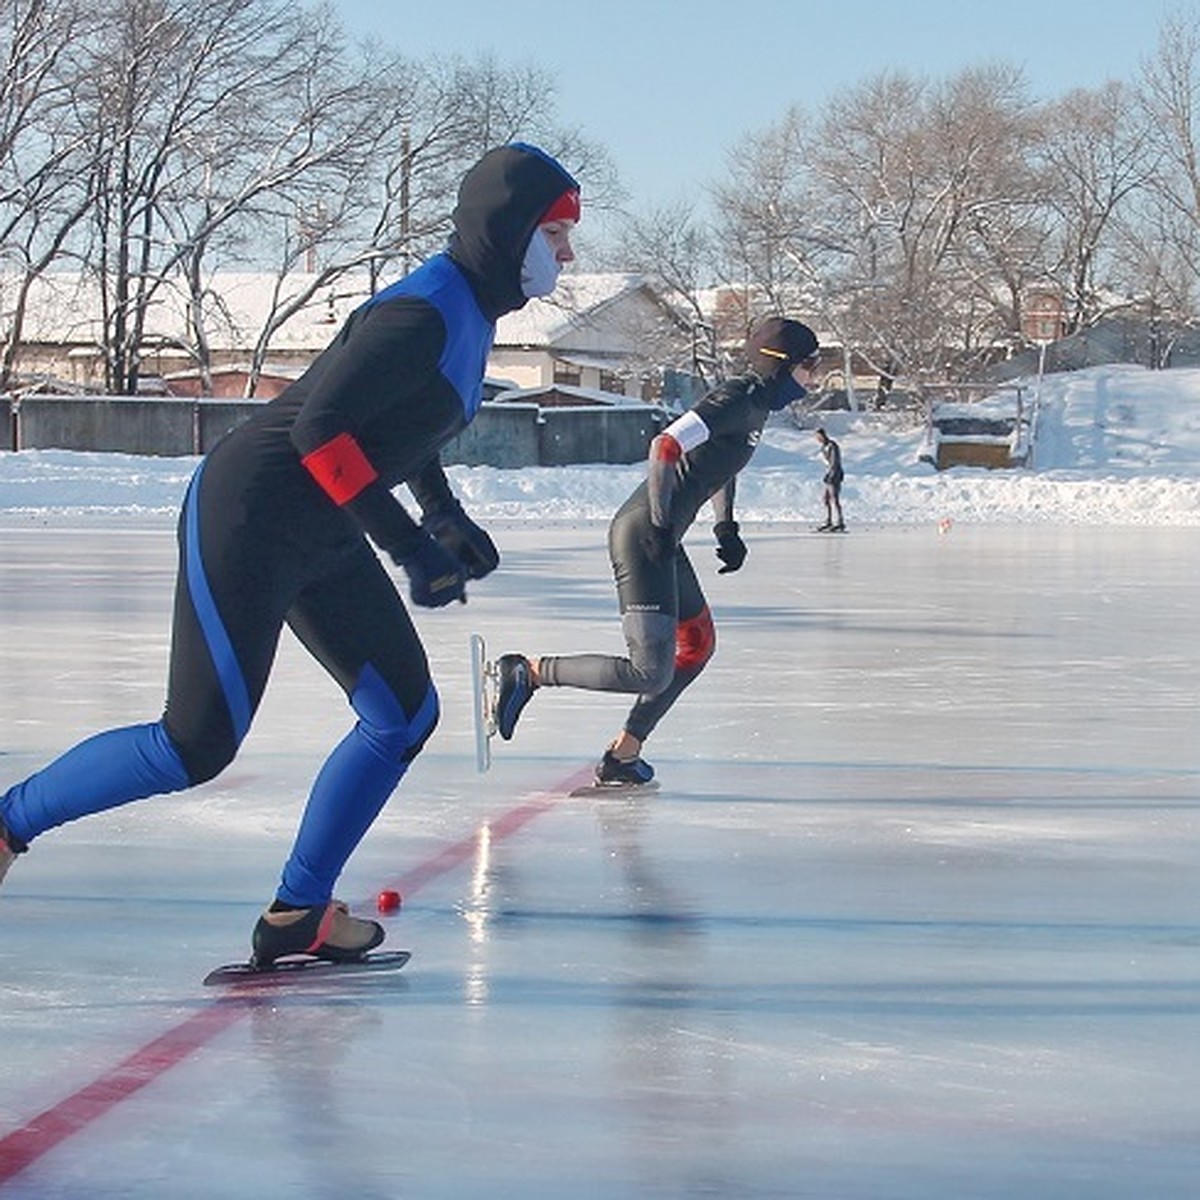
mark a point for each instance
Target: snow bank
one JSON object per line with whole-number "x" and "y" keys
{"x": 1114, "y": 445}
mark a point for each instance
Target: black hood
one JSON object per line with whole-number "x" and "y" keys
{"x": 501, "y": 201}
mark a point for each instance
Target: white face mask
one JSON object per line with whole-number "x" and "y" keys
{"x": 540, "y": 270}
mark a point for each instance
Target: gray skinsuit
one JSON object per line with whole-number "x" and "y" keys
{"x": 665, "y": 617}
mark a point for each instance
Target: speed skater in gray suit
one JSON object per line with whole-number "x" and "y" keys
{"x": 665, "y": 618}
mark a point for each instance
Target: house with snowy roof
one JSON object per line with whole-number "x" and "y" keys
{"x": 602, "y": 333}
{"x": 606, "y": 333}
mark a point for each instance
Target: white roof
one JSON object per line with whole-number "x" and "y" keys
{"x": 592, "y": 395}
{"x": 63, "y": 308}
{"x": 544, "y": 322}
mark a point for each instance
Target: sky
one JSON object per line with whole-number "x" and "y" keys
{"x": 1117, "y": 445}
{"x": 669, "y": 87}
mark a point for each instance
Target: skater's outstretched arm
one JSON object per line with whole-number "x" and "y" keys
{"x": 683, "y": 434}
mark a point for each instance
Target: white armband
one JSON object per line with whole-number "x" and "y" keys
{"x": 689, "y": 430}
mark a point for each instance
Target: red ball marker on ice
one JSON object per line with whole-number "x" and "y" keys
{"x": 387, "y": 900}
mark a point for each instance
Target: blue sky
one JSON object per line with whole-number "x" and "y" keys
{"x": 669, "y": 86}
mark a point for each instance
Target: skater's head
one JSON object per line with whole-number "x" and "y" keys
{"x": 784, "y": 353}
{"x": 821, "y": 436}
{"x": 512, "y": 225}
{"x": 778, "y": 344}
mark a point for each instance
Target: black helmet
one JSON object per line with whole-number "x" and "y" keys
{"x": 779, "y": 343}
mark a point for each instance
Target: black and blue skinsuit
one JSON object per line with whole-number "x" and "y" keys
{"x": 276, "y": 529}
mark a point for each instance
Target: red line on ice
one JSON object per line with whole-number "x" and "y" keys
{"x": 37, "y": 1137}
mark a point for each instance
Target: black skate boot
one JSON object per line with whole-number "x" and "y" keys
{"x": 329, "y": 932}
{"x": 10, "y": 847}
{"x": 612, "y": 772}
{"x": 516, "y": 688}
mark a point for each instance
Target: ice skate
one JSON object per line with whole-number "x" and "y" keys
{"x": 614, "y": 772}
{"x": 516, "y": 688}
{"x": 620, "y": 777}
{"x": 329, "y": 933}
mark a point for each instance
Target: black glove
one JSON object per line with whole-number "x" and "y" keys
{"x": 658, "y": 543}
{"x": 458, "y": 534}
{"x": 731, "y": 550}
{"x": 435, "y": 576}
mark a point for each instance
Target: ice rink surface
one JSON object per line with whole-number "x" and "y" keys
{"x": 915, "y": 914}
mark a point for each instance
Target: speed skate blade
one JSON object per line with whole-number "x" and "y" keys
{"x": 303, "y": 968}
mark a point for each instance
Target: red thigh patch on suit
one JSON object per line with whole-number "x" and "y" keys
{"x": 695, "y": 640}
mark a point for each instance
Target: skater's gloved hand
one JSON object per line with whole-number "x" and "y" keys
{"x": 731, "y": 550}
{"x": 458, "y": 534}
{"x": 658, "y": 543}
{"x": 435, "y": 576}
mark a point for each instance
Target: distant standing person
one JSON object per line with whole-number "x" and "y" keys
{"x": 668, "y": 628}
{"x": 831, "y": 452}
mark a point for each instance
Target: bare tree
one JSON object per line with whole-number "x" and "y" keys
{"x": 940, "y": 200}
{"x": 44, "y": 157}
{"x": 205, "y": 116}
{"x": 296, "y": 172}
{"x": 1096, "y": 158}
{"x": 770, "y": 214}
{"x": 673, "y": 249}
{"x": 457, "y": 110}
{"x": 428, "y": 122}
{"x": 158, "y": 142}
{"x": 1170, "y": 237}
{"x": 895, "y": 215}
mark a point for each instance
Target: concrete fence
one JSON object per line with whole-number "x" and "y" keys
{"x": 130, "y": 425}
{"x": 502, "y": 435}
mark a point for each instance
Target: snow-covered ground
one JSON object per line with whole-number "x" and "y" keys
{"x": 1117, "y": 445}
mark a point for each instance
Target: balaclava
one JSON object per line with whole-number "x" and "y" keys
{"x": 540, "y": 268}
{"x": 501, "y": 202}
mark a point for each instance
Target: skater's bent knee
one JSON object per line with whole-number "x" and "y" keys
{"x": 394, "y": 732}
{"x": 656, "y": 671}
{"x": 203, "y": 757}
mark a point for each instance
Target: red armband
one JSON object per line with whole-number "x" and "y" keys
{"x": 666, "y": 449}
{"x": 341, "y": 468}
